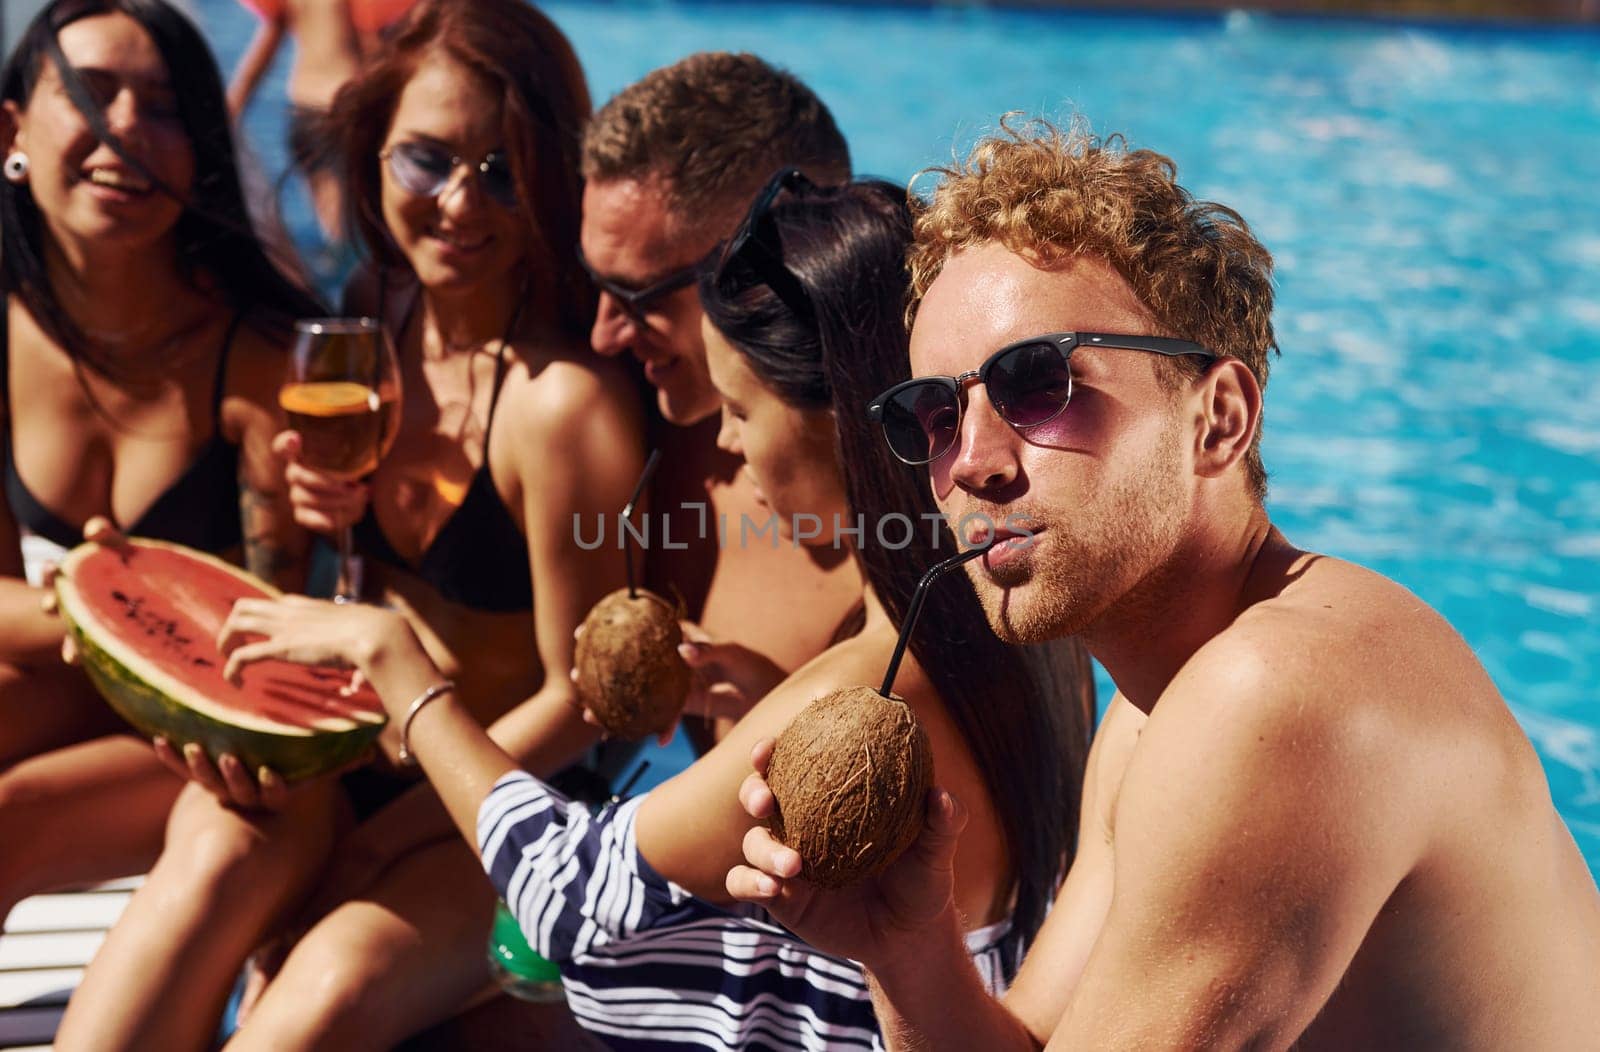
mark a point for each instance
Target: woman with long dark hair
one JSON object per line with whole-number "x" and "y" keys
{"x": 459, "y": 150}
{"x": 828, "y": 343}
{"x": 802, "y": 324}
{"x": 141, "y": 350}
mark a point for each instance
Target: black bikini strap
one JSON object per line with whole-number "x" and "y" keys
{"x": 5, "y": 352}
{"x": 219, "y": 385}
{"x": 500, "y": 365}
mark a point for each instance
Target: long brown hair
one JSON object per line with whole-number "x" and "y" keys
{"x": 1026, "y": 713}
{"x": 544, "y": 106}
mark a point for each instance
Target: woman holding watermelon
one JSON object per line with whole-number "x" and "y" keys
{"x": 459, "y": 150}
{"x": 120, "y": 191}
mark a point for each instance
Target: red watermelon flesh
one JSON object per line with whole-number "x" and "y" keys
{"x": 171, "y": 608}
{"x": 146, "y": 616}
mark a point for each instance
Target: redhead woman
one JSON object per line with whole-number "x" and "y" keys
{"x": 120, "y": 192}
{"x": 459, "y": 148}
{"x": 802, "y": 324}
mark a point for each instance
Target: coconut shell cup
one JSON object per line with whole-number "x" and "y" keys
{"x": 630, "y": 674}
{"x": 850, "y": 776}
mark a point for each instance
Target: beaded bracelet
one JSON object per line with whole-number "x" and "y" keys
{"x": 406, "y": 757}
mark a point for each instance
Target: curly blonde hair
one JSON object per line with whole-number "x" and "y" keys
{"x": 1048, "y": 194}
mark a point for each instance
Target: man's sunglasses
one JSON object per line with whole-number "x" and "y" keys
{"x": 1029, "y": 383}
{"x": 637, "y": 303}
{"x": 755, "y": 248}
{"x": 427, "y": 171}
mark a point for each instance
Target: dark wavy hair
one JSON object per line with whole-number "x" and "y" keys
{"x": 1027, "y": 713}
{"x": 214, "y": 233}
{"x": 544, "y": 106}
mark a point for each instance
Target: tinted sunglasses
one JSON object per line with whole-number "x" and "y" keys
{"x": 755, "y": 247}
{"x": 636, "y": 303}
{"x": 427, "y": 171}
{"x": 1029, "y": 383}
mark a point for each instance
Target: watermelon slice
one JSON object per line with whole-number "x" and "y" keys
{"x": 145, "y": 617}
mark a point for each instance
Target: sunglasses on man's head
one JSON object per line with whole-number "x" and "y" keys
{"x": 754, "y": 245}
{"x": 636, "y": 303}
{"x": 1029, "y": 383}
{"x": 427, "y": 170}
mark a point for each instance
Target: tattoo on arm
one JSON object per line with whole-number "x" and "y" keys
{"x": 265, "y": 554}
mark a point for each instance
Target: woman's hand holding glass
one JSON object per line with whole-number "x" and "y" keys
{"x": 323, "y": 502}
{"x": 342, "y": 398}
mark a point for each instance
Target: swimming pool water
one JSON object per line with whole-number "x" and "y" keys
{"x": 1429, "y": 193}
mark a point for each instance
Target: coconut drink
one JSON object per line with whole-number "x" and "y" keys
{"x": 629, "y": 672}
{"x": 850, "y": 775}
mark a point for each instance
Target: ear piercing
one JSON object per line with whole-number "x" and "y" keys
{"x": 16, "y": 166}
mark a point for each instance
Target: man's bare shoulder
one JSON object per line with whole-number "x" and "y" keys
{"x": 1335, "y": 770}
{"x": 1338, "y": 679}
{"x": 1319, "y": 628}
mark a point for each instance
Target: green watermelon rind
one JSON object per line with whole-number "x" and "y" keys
{"x": 295, "y": 754}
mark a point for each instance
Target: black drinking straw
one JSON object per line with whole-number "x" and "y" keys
{"x": 627, "y": 514}
{"x": 633, "y": 779}
{"x": 909, "y": 625}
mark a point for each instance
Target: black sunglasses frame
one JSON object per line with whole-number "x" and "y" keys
{"x": 762, "y": 258}
{"x": 1064, "y": 342}
{"x": 636, "y": 303}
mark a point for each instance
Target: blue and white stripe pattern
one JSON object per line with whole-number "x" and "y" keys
{"x": 649, "y": 966}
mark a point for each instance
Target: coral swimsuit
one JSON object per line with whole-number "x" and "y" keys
{"x": 368, "y": 16}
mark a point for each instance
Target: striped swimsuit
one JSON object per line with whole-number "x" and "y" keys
{"x": 646, "y": 964}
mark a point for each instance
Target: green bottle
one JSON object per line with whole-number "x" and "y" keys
{"x": 520, "y": 971}
{"x": 516, "y": 967}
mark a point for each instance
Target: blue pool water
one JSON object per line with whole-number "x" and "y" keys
{"x": 1430, "y": 195}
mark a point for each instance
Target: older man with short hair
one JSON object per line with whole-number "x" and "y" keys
{"x": 670, "y": 165}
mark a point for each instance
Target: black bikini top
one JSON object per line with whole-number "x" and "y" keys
{"x": 200, "y": 508}
{"x": 479, "y": 557}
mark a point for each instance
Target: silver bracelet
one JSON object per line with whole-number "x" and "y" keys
{"x": 406, "y": 757}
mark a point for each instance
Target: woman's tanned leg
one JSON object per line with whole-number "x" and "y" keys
{"x": 47, "y": 708}
{"x": 81, "y": 814}
{"x": 222, "y": 882}
{"x": 376, "y": 970}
